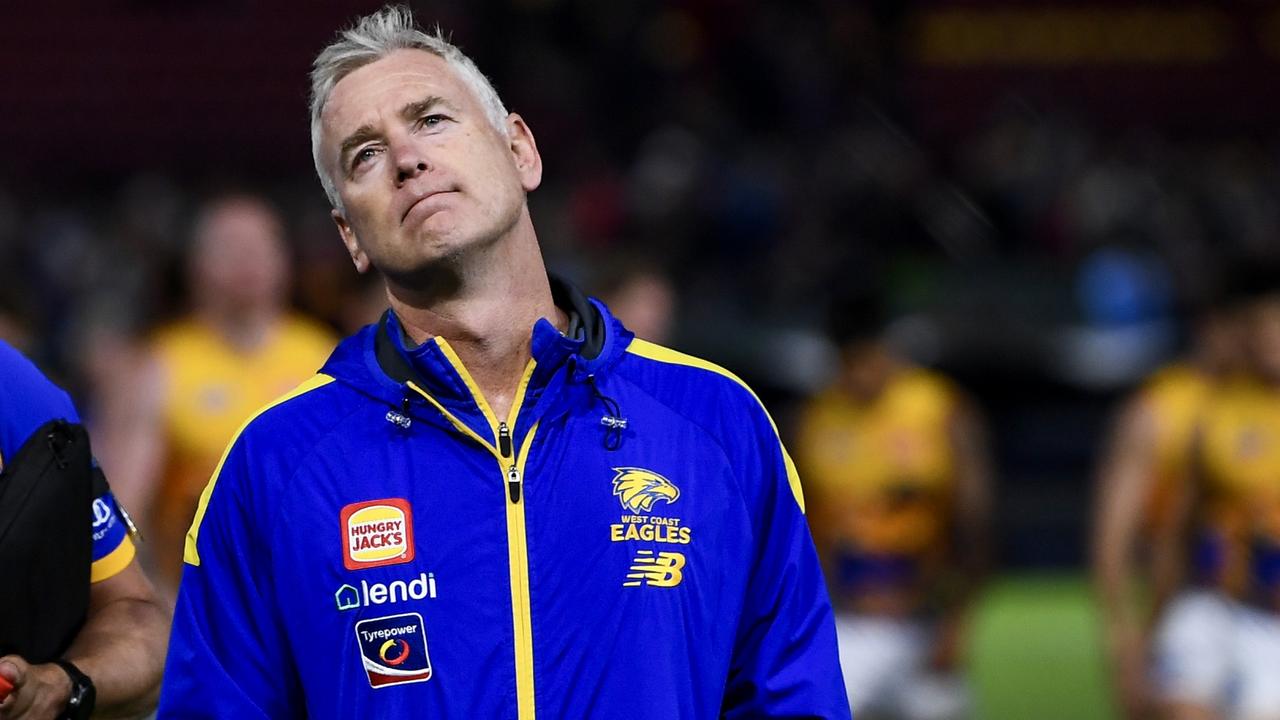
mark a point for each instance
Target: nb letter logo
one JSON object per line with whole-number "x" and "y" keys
{"x": 664, "y": 570}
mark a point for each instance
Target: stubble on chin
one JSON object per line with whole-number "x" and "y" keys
{"x": 439, "y": 256}
{"x": 434, "y": 265}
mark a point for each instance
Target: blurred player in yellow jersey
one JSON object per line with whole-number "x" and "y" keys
{"x": 1140, "y": 490}
{"x": 1217, "y": 646}
{"x": 895, "y": 463}
{"x": 201, "y": 377}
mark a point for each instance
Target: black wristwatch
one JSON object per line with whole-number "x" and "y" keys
{"x": 83, "y": 694}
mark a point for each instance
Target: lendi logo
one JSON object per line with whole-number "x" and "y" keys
{"x": 350, "y": 597}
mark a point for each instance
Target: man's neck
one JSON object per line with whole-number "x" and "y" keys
{"x": 486, "y": 311}
{"x": 244, "y": 329}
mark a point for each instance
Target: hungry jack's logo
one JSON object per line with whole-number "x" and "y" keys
{"x": 376, "y": 533}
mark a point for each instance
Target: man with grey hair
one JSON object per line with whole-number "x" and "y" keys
{"x": 496, "y": 501}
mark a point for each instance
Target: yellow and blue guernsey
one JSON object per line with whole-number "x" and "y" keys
{"x": 29, "y": 400}
{"x": 629, "y": 542}
{"x": 882, "y": 477}
{"x": 1177, "y": 395}
{"x": 210, "y": 388}
{"x": 1238, "y": 545}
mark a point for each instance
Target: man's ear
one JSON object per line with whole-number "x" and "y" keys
{"x": 524, "y": 151}
{"x": 351, "y": 241}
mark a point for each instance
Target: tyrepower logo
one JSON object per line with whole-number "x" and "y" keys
{"x": 393, "y": 649}
{"x": 376, "y": 533}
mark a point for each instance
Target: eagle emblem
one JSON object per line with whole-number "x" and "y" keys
{"x": 638, "y": 489}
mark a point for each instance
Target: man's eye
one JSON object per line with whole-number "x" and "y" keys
{"x": 363, "y": 155}
{"x": 432, "y": 120}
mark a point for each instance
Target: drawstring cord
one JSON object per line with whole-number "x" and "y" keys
{"x": 401, "y": 418}
{"x": 613, "y": 421}
{"x": 615, "y": 425}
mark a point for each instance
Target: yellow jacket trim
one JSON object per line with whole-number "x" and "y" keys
{"x": 522, "y": 614}
{"x": 190, "y": 554}
{"x": 646, "y": 349}
{"x": 470, "y": 382}
{"x": 517, "y": 547}
{"x": 461, "y": 426}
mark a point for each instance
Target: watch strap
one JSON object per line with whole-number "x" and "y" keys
{"x": 83, "y": 693}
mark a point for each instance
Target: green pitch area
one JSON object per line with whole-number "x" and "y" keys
{"x": 1036, "y": 652}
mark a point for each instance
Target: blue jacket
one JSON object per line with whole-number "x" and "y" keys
{"x": 28, "y": 400}
{"x": 628, "y": 543}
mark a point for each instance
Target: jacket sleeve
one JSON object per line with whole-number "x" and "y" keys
{"x": 785, "y": 663}
{"x": 228, "y": 653}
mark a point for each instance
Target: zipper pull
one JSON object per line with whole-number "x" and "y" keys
{"x": 513, "y": 484}
{"x": 504, "y": 440}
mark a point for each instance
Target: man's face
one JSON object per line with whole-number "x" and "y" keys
{"x": 1264, "y": 336}
{"x": 240, "y": 256}
{"x": 422, "y": 173}
{"x": 1219, "y": 338}
{"x": 645, "y": 304}
{"x": 866, "y": 366}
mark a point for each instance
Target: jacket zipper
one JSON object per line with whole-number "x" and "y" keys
{"x": 513, "y": 472}
{"x": 518, "y": 559}
{"x": 511, "y": 462}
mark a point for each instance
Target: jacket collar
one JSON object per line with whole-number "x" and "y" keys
{"x": 593, "y": 342}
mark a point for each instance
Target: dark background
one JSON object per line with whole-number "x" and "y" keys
{"x": 1037, "y": 188}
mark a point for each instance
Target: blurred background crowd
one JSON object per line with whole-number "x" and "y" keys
{"x": 1033, "y": 196}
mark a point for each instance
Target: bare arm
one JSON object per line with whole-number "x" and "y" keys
{"x": 121, "y": 648}
{"x": 973, "y": 490}
{"x": 129, "y": 436}
{"x": 1124, "y": 483}
{"x": 972, "y": 521}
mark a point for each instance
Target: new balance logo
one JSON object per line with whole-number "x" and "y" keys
{"x": 664, "y": 570}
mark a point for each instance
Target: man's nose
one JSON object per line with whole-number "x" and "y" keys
{"x": 410, "y": 163}
{"x": 406, "y": 171}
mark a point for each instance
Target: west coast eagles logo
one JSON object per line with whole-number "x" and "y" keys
{"x": 638, "y": 489}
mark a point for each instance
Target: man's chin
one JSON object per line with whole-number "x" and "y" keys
{"x": 432, "y": 271}
{"x": 431, "y": 243}
{"x": 435, "y": 255}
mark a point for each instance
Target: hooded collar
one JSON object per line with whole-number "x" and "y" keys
{"x": 595, "y": 340}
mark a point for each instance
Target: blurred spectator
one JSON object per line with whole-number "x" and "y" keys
{"x": 167, "y": 422}
{"x": 363, "y": 304}
{"x": 895, "y": 461}
{"x": 1217, "y": 644}
{"x": 1140, "y": 483}
{"x": 642, "y": 296}
{"x": 13, "y": 319}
